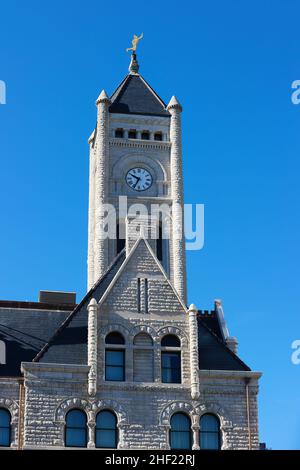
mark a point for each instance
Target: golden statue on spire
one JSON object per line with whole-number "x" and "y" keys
{"x": 134, "y": 42}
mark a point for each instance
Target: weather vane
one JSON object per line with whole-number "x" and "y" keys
{"x": 134, "y": 42}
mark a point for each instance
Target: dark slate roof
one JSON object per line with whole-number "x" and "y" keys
{"x": 69, "y": 342}
{"x": 26, "y": 327}
{"x": 135, "y": 96}
{"x": 211, "y": 320}
{"x": 214, "y": 353}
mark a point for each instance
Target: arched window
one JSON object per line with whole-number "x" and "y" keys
{"x": 210, "y": 437}
{"x": 180, "y": 432}
{"x": 76, "y": 429}
{"x": 106, "y": 430}
{"x": 170, "y": 359}
{"x": 115, "y": 357}
{"x": 5, "y": 430}
{"x": 143, "y": 358}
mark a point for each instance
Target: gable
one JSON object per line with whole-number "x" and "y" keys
{"x": 142, "y": 278}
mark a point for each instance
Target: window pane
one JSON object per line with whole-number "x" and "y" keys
{"x": 114, "y": 373}
{"x": 171, "y": 360}
{"x": 4, "y": 418}
{"x": 180, "y": 422}
{"x": 76, "y": 419}
{"x": 106, "y": 438}
{"x": 171, "y": 367}
{"x": 180, "y": 440}
{"x": 4, "y": 437}
{"x": 115, "y": 358}
{"x": 76, "y": 437}
{"x": 209, "y": 422}
{"x": 209, "y": 440}
{"x": 106, "y": 420}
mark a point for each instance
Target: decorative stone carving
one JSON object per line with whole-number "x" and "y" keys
{"x": 173, "y": 330}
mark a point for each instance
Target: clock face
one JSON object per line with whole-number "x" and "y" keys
{"x": 139, "y": 179}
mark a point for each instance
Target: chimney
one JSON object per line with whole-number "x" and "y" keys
{"x": 232, "y": 344}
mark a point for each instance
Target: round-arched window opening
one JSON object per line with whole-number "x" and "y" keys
{"x": 180, "y": 432}
{"x": 170, "y": 341}
{"x": 114, "y": 338}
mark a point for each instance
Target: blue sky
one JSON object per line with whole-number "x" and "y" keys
{"x": 231, "y": 64}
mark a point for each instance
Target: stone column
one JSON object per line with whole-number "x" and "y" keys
{"x": 91, "y": 436}
{"x": 92, "y": 346}
{"x": 101, "y": 185}
{"x": 194, "y": 352}
{"x": 91, "y": 223}
{"x": 178, "y": 242}
{"x": 195, "y": 445}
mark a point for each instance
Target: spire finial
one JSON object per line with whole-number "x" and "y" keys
{"x": 134, "y": 66}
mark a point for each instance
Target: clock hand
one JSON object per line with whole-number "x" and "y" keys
{"x": 138, "y": 180}
{"x": 130, "y": 174}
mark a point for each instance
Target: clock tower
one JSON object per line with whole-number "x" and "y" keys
{"x": 135, "y": 151}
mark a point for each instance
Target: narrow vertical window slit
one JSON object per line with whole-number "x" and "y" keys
{"x": 146, "y": 295}
{"x": 139, "y": 295}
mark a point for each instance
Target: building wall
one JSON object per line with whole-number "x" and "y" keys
{"x": 143, "y": 410}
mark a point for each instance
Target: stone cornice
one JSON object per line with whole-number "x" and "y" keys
{"x": 47, "y": 367}
{"x": 139, "y": 143}
{"x": 144, "y": 387}
{"x": 139, "y": 119}
{"x": 229, "y": 374}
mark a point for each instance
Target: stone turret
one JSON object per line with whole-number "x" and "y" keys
{"x": 179, "y": 268}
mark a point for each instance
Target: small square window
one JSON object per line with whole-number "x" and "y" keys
{"x": 132, "y": 135}
{"x": 145, "y": 135}
{"x": 158, "y": 136}
{"x": 119, "y": 133}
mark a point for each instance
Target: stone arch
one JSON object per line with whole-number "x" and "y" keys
{"x": 123, "y": 165}
{"x": 111, "y": 405}
{"x": 175, "y": 407}
{"x": 117, "y": 328}
{"x": 172, "y": 330}
{"x": 12, "y": 407}
{"x": 69, "y": 404}
{"x": 215, "y": 409}
{"x": 143, "y": 329}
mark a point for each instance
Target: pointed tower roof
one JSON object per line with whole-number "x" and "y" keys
{"x": 135, "y": 96}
